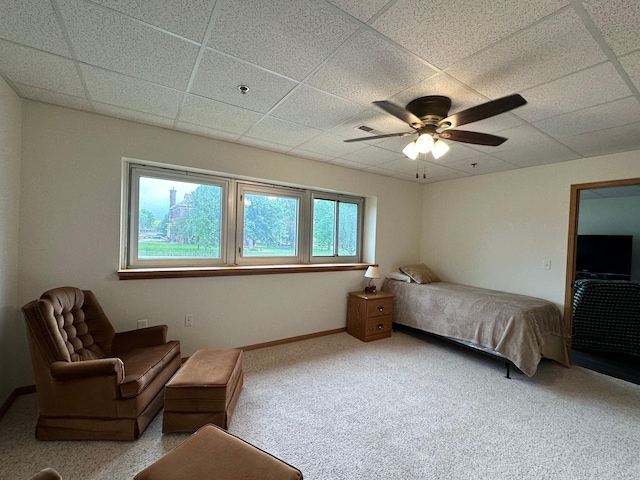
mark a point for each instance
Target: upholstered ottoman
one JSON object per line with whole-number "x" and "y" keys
{"x": 204, "y": 390}
{"x": 213, "y": 454}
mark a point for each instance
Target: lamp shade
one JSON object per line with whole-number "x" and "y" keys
{"x": 372, "y": 272}
{"x": 424, "y": 143}
{"x": 439, "y": 149}
{"x": 411, "y": 151}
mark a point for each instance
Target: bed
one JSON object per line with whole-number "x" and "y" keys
{"x": 517, "y": 328}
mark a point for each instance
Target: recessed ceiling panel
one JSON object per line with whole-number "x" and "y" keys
{"x": 556, "y": 47}
{"x": 106, "y": 39}
{"x": 368, "y": 68}
{"x": 287, "y": 37}
{"x": 217, "y": 115}
{"x": 443, "y": 34}
{"x": 618, "y": 21}
{"x": 219, "y": 76}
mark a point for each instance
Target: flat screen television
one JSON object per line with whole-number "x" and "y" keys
{"x": 604, "y": 254}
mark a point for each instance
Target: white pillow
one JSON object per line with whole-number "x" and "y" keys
{"x": 401, "y": 277}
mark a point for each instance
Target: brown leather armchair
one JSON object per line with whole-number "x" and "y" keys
{"x": 93, "y": 383}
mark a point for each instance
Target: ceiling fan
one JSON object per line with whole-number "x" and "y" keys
{"x": 428, "y": 118}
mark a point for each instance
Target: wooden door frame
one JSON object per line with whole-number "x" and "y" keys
{"x": 574, "y": 211}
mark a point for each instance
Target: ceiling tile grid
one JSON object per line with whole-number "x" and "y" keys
{"x": 313, "y": 67}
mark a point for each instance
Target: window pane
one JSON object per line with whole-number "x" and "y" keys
{"x": 324, "y": 227}
{"x": 348, "y": 229}
{"x": 178, "y": 219}
{"x": 270, "y": 226}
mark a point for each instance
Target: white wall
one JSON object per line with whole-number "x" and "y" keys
{"x": 494, "y": 231}
{"x": 70, "y": 230}
{"x": 11, "y": 325}
{"x": 613, "y": 216}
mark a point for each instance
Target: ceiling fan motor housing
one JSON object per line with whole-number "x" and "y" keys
{"x": 430, "y": 109}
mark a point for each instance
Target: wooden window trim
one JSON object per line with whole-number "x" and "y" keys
{"x": 188, "y": 272}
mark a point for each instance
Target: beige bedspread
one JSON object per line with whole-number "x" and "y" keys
{"x": 521, "y": 328}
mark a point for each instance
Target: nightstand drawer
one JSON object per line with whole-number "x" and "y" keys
{"x": 378, "y": 325}
{"x": 379, "y": 307}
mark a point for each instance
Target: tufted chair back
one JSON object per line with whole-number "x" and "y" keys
{"x": 72, "y": 325}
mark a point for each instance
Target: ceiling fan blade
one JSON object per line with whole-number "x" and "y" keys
{"x": 399, "y": 112}
{"x": 476, "y": 138}
{"x": 485, "y": 110}
{"x": 375, "y": 137}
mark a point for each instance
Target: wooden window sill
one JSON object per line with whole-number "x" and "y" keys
{"x": 185, "y": 272}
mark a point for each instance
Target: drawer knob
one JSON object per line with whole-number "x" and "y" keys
{"x": 380, "y": 308}
{"x": 379, "y": 326}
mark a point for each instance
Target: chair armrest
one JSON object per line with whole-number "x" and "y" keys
{"x": 88, "y": 368}
{"x": 143, "y": 337}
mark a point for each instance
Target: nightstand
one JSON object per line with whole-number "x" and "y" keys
{"x": 370, "y": 315}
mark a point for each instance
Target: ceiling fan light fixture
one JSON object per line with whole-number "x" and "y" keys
{"x": 411, "y": 150}
{"x": 439, "y": 149}
{"x": 424, "y": 143}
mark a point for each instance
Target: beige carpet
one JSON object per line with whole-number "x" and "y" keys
{"x": 398, "y": 408}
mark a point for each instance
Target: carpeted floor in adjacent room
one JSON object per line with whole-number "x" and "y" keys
{"x": 399, "y": 408}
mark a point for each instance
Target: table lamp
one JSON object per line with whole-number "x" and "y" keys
{"x": 371, "y": 273}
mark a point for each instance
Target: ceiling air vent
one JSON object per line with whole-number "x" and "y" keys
{"x": 364, "y": 128}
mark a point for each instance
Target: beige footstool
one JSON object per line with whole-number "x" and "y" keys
{"x": 204, "y": 390}
{"x": 213, "y": 454}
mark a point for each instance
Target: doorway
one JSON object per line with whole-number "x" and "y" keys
{"x": 627, "y": 368}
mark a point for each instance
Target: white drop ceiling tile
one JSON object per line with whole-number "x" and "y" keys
{"x": 39, "y": 69}
{"x": 219, "y": 76}
{"x": 131, "y": 93}
{"x": 264, "y": 144}
{"x": 402, "y": 164}
{"x": 329, "y": 144}
{"x": 132, "y": 115}
{"x": 613, "y": 140}
{"x": 372, "y": 155}
{"x": 549, "y": 152}
{"x": 475, "y": 164}
{"x": 556, "y": 47}
{"x": 217, "y": 115}
{"x": 314, "y": 108}
{"x": 113, "y": 41}
{"x": 381, "y": 122}
{"x": 369, "y": 68}
{"x": 47, "y": 96}
{"x": 516, "y": 138}
{"x": 435, "y": 170}
{"x": 32, "y": 23}
{"x": 631, "y": 64}
{"x": 612, "y": 114}
{"x": 618, "y": 22}
{"x": 457, "y": 151}
{"x": 361, "y": 10}
{"x": 206, "y": 132}
{"x": 282, "y": 132}
{"x": 188, "y": 18}
{"x": 593, "y": 86}
{"x": 290, "y": 38}
{"x": 443, "y": 35}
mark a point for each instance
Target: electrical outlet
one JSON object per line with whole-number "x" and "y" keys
{"x": 546, "y": 264}
{"x": 142, "y": 323}
{"x": 188, "y": 320}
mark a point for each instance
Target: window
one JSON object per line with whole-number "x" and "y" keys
{"x": 177, "y": 218}
{"x": 269, "y": 224}
{"x": 336, "y": 227}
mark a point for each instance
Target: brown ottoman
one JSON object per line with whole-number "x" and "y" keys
{"x": 204, "y": 390}
{"x": 213, "y": 454}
